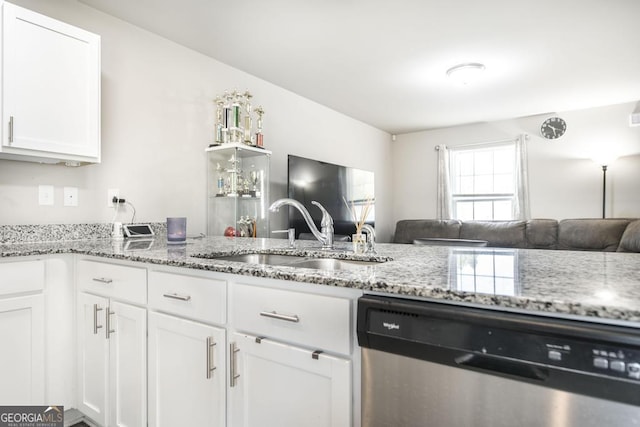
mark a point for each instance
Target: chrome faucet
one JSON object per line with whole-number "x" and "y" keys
{"x": 371, "y": 238}
{"x": 325, "y": 235}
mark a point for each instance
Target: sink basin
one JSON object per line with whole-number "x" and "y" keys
{"x": 333, "y": 264}
{"x": 263, "y": 259}
{"x": 330, "y": 264}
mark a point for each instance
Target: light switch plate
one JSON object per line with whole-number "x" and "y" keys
{"x": 45, "y": 195}
{"x": 71, "y": 196}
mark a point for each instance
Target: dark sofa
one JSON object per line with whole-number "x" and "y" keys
{"x": 622, "y": 235}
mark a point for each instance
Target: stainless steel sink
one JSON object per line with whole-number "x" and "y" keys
{"x": 263, "y": 259}
{"x": 330, "y": 264}
{"x": 333, "y": 264}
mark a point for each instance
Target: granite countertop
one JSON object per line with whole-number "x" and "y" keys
{"x": 603, "y": 286}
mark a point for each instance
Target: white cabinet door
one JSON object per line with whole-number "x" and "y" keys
{"x": 22, "y": 355}
{"x": 112, "y": 365}
{"x": 186, "y": 373}
{"x": 93, "y": 357}
{"x": 279, "y": 385}
{"x": 50, "y": 87}
{"x": 127, "y": 365}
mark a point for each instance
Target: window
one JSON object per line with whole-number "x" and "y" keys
{"x": 483, "y": 182}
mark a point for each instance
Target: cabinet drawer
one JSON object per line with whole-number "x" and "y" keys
{"x": 113, "y": 280}
{"x": 21, "y": 276}
{"x": 194, "y": 297}
{"x": 315, "y": 321}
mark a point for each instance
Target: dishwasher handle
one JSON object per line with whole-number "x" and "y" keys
{"x": 502, "y": 366}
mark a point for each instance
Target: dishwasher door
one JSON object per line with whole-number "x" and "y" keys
{"x": 437, "y": 365}
{"x": 399, "y": 391}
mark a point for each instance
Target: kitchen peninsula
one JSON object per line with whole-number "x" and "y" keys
{"x": 268, "y": 324}
{"x": 562, "y": 282}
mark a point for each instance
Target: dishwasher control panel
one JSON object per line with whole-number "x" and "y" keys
{"x": 594, "y": 349}
{"x": 600, "y": 359}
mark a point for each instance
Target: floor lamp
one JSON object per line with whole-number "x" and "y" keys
{"x": 604, "y": 189}
{"x": 604, "y": 161}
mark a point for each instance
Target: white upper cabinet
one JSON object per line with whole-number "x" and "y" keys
{"x": 50, "y": 89}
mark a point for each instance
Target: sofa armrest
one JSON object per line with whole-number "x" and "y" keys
{"x": 630, "y": 240}
{"x": 591, "y": 234}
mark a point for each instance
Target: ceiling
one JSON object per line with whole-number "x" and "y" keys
{"x": 384, "y": 62}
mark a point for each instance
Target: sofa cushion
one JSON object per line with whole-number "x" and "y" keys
{"x": 409, "y": 229}
{"x": 542, "y": 233}
{"x": 504, "y": 234}
{"x": 591, "y": 234}
{"x": 630, "y": 240}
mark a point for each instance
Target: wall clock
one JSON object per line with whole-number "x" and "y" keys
{"x": 553, "y": 128}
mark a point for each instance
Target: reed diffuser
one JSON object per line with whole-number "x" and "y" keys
{"x": 359, "y": 240}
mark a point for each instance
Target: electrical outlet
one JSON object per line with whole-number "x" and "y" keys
{"x": 71, "y": 196}
{"x": 45, "y": 195}
{"x": 111, "y": 193}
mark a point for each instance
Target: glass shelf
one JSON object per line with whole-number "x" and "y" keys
{"x": 237, "y": 190}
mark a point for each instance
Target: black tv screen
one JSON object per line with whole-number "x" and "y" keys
{"x": 329, "y": 185}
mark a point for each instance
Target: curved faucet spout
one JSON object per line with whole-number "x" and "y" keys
{"x": 325, "y": 236}
{"x": 371, "y": 238}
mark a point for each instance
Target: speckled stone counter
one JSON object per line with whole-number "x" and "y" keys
{"x": 602, "y": 286}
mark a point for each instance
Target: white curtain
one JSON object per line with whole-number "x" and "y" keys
{"x": 443, "y": 205}
{"x": 521, "y": 207}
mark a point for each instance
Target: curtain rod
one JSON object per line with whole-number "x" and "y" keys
{"x": 499, "y": 141}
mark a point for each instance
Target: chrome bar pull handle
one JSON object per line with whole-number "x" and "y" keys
{"x": 96, "y": 309}
{"x": 210, "y": 362}
{"x": 108, "y": 330}
{"x": 274, "y": 315}
{"x": 104, "y": 280}
{"x": 178, "y": 297}
{"x": 233, "y": 368}
{"x": 10, "y": 129}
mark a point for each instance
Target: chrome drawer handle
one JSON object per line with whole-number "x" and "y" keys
{"x": 274, "y": 315}
{"x": 108, "y": 331}
{"x": 102, "y": 280}
{"x": 178, "y": 297}
{"x": 233, "y": 368}
{"x": 210, "y": 363}
{"x": 96, "y": 309}
{"x": 10, "y": 129}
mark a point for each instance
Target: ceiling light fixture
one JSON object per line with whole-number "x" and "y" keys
{"x": 466, "y": 73}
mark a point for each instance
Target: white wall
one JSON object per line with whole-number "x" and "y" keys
{"x": 564, "y": 181}
{"x": 158, "y": 117}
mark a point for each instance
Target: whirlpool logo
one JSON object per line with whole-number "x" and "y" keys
{"x": 391, "y": 326}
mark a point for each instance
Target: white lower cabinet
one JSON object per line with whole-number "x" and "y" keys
{"x": 22, "y": 355}
{"x": 291, "y": 362}
{"x": 22, "y": 333}
{"x": 112, "y": 361}
{"x": 279, "y": 385}
{"x": 157, "y": 348}
{"x": 186, "y": 373}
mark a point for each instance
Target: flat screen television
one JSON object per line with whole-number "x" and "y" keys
{"x": 328, "y": 184}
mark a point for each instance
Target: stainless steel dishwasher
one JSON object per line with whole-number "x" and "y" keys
{"x": 435, "y": 365}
